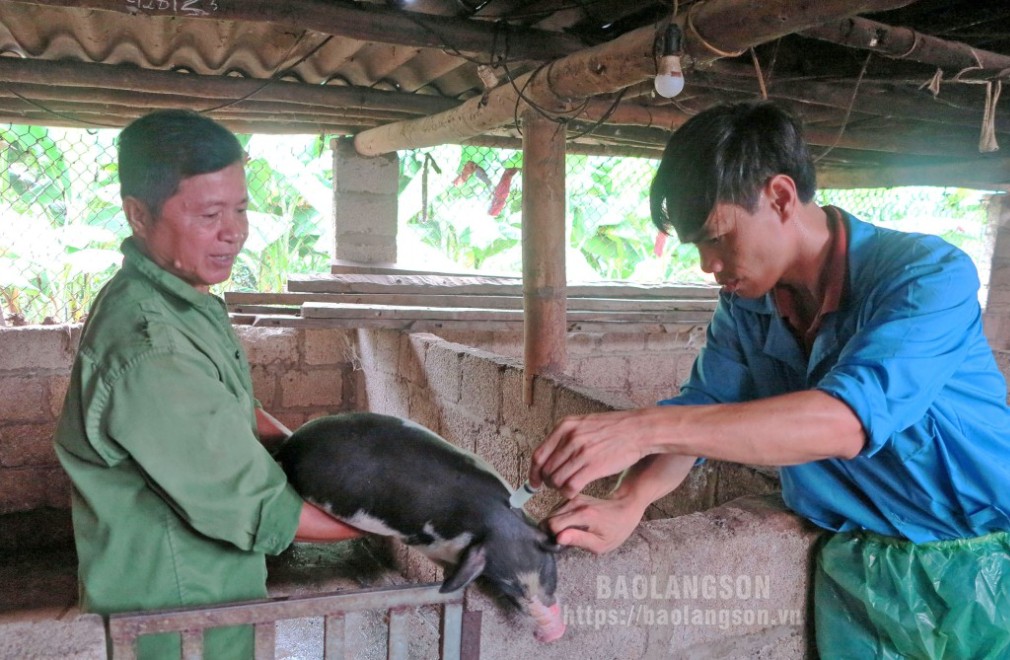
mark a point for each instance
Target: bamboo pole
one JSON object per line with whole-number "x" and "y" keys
{"x": 581, "y": 148}
{"x": 610, "y": 67}
{"x": 543, "y": 231}
{"x": 884, "y": 100}
{"x": 921, "y": 140}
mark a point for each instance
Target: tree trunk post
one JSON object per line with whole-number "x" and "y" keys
{"x": 543, "y": 225}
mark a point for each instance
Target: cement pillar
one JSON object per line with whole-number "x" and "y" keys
{"x": 364, "y": 202}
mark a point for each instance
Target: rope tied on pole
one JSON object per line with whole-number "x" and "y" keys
{"x": 993, "y": 82}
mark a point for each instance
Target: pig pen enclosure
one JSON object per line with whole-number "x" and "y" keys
{"x": 708, "y": 573}
{"x": 893, "y": 92}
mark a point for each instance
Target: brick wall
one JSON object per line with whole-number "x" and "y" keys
{"x": 297, "y": 375}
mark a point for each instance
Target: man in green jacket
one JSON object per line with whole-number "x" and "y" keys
{"x": 175, "y": 500}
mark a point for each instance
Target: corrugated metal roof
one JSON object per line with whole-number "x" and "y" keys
{"x": 323, "y": 65}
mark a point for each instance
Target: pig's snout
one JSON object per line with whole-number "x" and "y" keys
{"x": 550, "y": 623}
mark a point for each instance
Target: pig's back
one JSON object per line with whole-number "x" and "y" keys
{"x": 367, "y": 466}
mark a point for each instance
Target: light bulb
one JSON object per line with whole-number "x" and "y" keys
{"x": 670, "y": 78}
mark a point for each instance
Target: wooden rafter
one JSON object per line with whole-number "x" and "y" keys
{"x": 610, "y": 67}
{"x": 905, "y": 43}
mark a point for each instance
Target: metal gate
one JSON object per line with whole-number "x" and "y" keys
{"x": 455, "y": 643}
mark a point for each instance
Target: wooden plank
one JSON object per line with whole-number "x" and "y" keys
{"x": 237, "y": 300}
{"x": 348, "y": 267}
{"x": 483, "y": 285}
{"x": 398, "y": 644}
{"x": 406, "y": 325}
{"x": 452, "y": 632}
{"x": 673, "y": 326}
{"x": 399, "y": 312}
{"x": 334, "y": 632}
{"x": 265, "y": 640}
{"x": 246, "y": 310}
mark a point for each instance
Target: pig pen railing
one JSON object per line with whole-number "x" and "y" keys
{"x": 124, "y": 629}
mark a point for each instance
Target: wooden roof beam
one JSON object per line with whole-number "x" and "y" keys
{"x": 905, "y": 44}
{"x": 209, "y": 91}
{"x": 609, "y": 67}
{"x": 888, "y": 100}
{"x": 967, "y": 174}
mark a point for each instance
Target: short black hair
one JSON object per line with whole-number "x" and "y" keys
{"x": 162, "y": 148}
{"x": 727, "y": 154}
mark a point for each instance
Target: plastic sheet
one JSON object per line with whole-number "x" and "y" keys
{"x": 879, "y": 597}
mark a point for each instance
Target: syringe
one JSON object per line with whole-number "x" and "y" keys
{"x": 522, "y": 495}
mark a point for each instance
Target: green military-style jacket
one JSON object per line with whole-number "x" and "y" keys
{"x": 175, "y": 501}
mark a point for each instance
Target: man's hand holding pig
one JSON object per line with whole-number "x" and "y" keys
{"x": 597, "y": 525}
{"x": 583, "y": 449}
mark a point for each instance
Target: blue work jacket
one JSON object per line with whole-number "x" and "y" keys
{"x": 906, "y": 352}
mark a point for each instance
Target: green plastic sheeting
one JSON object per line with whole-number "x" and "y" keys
{"x": 879, "y": 597}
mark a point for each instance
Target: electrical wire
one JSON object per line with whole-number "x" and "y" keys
{"x": 848, "y": 111}
{"x": 278, "y": 73}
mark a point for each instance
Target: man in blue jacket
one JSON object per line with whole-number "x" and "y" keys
{"x": 851, "y": 356}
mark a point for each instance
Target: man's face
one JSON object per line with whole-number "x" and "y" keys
{"x": 201, "y": 227}
{"x": 744, "y": 251}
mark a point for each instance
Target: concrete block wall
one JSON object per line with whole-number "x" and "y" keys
{"x": 300, "y": 374}
{"x": 731, "y": 582}
{"x": 643, "y": 368}
{"x": 365, "y": 204}
{"x": 663, "y": 594}
{"x": 297, "y": 375}
{"x": 34, "y": 492}
{"x": 474, "y": 399}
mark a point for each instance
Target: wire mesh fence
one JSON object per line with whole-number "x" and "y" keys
{"x": 459, "y": 209}
{"x": 61, "y": 222}
{"x": 464, "y": 203}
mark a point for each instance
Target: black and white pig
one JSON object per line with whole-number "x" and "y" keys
{"x": 393, "y": 477}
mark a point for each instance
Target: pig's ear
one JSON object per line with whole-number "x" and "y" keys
{"x": 551, "y": 546}
{"x": 548, "y": 542}
{"x": 471, "y": 565}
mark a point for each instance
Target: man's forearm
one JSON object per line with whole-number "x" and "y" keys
{"x": 269, "y": 428}
{"x": 784, "y": 430}
{"x": 315, "y": 525}
{"x": 653, "y": 477}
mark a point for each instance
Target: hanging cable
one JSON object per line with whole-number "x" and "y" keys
{"x": 848, "y": 111}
